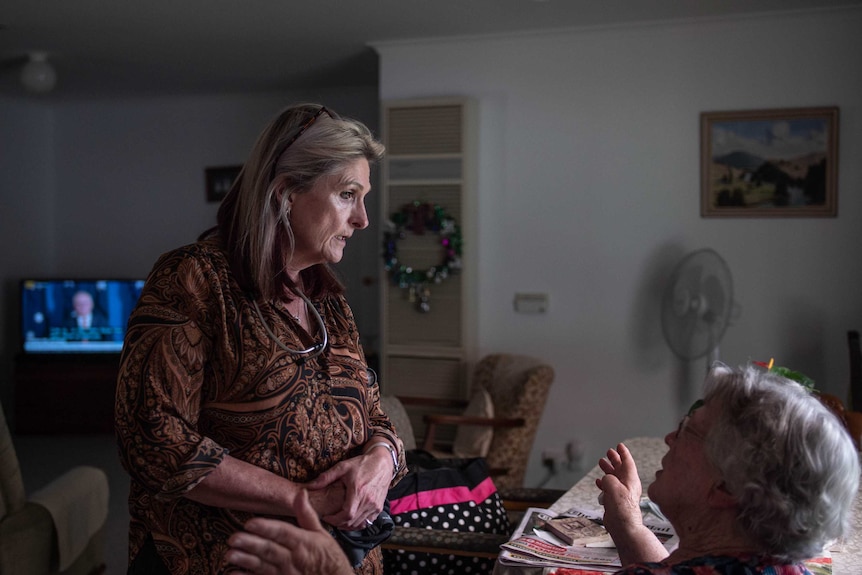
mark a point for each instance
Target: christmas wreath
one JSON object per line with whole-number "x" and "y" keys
{"x": 418, "y": 218}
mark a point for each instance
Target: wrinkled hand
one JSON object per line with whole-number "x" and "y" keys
{"x": 327, "y": 500}
{"x": 621, "y": 491}
{"x": 274, "y": 547}
{"x": 366, "y": 481}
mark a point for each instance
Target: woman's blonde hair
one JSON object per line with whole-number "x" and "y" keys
{"x": 302, "y": 144}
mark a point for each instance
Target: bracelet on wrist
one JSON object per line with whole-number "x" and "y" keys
{"x": 392, "y": 452}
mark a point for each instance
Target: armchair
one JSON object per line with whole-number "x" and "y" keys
{"x": 60, "y": 528}
{"x": 508, "y": 396}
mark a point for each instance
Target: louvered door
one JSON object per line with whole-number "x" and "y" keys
{"x": 429, "y": 160}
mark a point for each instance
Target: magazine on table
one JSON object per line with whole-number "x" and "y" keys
{"x": 542, "y": 540}
{"x": 534, "y": 545}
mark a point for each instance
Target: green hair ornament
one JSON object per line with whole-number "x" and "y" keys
{"x": 788, "y": 373}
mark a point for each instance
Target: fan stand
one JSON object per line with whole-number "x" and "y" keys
{"x": 696, "y": 308}
{"x": 712, "y": 358}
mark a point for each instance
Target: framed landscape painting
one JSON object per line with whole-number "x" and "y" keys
{"x": 769, "y": 163}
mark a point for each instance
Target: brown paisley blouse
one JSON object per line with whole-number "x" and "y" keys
{"x": 200, "y": 378}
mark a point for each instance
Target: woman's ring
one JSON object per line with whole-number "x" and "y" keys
{"x": 369, "y": 522}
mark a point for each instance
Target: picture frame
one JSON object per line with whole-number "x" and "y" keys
{"x": 219, "y": 180}
{"x": 769, "y": 163}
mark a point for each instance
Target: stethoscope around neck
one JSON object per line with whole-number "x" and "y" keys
{"x": 309, "y": 352}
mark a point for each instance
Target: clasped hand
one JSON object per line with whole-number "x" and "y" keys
{"x": 365, "y": 479}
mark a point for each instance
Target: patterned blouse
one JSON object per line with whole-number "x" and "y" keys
{"x": 719, "y": 565}
{"x": 200, "y": 378}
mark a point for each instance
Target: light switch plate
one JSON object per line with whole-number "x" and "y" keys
{"x": 531, "y": 302}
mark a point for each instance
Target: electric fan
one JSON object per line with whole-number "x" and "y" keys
{"x": 696, "y": 305}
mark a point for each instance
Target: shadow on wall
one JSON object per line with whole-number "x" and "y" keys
{"x": 651, "y": 350}
{"x": 651, "y": 347}
{"x": 803, "y": 337}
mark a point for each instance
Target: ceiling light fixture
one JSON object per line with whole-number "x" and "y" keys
{"x": 38, "y": 74}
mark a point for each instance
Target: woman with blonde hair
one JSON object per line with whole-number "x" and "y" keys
{"x": 243, "y": 381}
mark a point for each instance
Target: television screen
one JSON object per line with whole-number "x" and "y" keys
{"x": 76, "y": 316}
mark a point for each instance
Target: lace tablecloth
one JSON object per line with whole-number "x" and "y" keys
{"x": 647, "y": 453}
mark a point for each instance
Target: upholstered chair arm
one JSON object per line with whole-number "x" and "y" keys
{"x": 77, "y": 501}
{"x": 28, "y": 545}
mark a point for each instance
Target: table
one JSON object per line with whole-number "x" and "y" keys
{"x": 647, "y": 453}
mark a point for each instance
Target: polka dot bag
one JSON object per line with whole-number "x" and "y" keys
{"x": 446, "y": 494}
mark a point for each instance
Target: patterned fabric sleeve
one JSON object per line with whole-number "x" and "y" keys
{"x": 159, "y": 386}
{"x": 206, "y": 370}
{"x": 381, "y": 427}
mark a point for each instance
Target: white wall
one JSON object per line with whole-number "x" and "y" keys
{"x": 101, "y": 188}
{"x": 589, "y": 191}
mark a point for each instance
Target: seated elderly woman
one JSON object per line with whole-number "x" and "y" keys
{"x": 759, "y": 476}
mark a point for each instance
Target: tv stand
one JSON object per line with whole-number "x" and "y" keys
{"x": 65, "y": 394}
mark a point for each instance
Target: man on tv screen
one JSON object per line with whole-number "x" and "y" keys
{"x": 85, "y": 320}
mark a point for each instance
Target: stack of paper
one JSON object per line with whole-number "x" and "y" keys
{"x": 574, "y": 539}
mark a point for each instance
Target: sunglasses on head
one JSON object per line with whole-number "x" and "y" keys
{"x": 283, "y": 148}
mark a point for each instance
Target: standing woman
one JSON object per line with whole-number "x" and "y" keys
{"x": 242, "y": 378}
